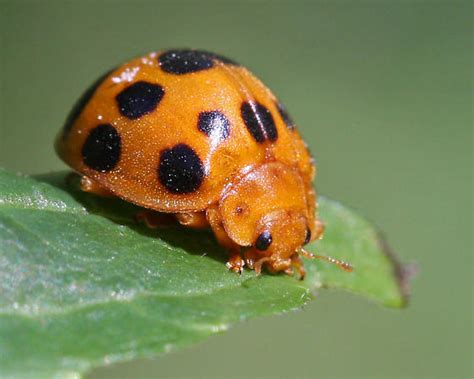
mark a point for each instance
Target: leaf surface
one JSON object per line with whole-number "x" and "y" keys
{"x": 83, "y": 285}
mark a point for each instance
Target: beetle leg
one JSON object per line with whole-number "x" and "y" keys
{"x": 215, "y": 221}
{"x": 195, "y": 220}
{"x": 259, "y": 264}
{"x": 235, "y": 262}
{"x": 91, "y": 186}
{"x": 251, "y": 257}
{"x": 297, "y": 263}
{"x": 154, "y": 219}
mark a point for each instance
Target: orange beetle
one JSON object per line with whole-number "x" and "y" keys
{"x": 196, "y": 135}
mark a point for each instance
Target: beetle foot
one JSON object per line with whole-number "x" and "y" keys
{"x": 235, "y": 263}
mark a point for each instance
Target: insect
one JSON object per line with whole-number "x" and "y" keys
{"x": 194, "y": 134}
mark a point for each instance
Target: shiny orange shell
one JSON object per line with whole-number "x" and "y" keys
{"x": 170, "y": 130}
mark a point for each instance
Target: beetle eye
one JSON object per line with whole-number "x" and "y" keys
{"x": 263, "y": 240}
{"x": 308, "y": 236}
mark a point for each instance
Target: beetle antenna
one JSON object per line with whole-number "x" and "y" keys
{"x": 341, "y": 264}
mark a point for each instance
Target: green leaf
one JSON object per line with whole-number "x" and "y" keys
{"x": 82, "y": 285}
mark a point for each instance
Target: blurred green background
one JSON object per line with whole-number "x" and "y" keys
{"x": 382, "y": 91}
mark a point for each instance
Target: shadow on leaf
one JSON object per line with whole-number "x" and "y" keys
{"x": 195, "y": 242}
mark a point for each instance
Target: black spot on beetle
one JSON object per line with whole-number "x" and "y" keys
{"x": 285, "y": 116}
{"x": 214, "y": 124}
{"x": 252, "y": 123}
{"x": 181, "y": 62}
{"x": 269, "y": 126}
{"x": 263, "y": 241}
{"x": 180, "y": 170}
{"x": 224, "y": 59}
{"x": 259, "y": 121}
{"x": 82, "y": 102}
{"x": 102, "y": 148}
{"x": 139, "y": 99}
{"x": 185, "y": 61}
